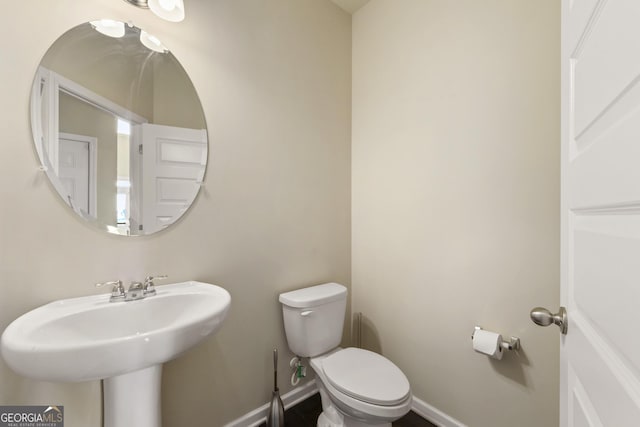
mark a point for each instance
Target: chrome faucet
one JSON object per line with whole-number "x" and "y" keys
{"x": 136, "y": 290}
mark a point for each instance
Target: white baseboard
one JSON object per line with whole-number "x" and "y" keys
{"x": 298, "y": 394}
{"x": 259, "y": 415}
{"x": 433, "y": 414}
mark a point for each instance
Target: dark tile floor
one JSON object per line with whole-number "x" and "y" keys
{"x": 305, "y": 414}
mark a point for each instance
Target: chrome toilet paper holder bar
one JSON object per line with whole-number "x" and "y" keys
{"x": 512, "y": 344}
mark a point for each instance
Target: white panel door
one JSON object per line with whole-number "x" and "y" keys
{"x": 172, "y": 169}
{"x": 600, "y": 355}
{"x": 76, "y": 171}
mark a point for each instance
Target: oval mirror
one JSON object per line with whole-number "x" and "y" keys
{"x": 119, "y": 128}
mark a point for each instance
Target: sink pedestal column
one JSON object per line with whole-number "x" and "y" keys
{"x": 133, "y": 399}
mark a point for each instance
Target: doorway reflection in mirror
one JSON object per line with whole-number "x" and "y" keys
{"x": 123, "y": 184}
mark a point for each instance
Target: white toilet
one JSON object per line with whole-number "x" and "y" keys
{"x": 358, "y": 387}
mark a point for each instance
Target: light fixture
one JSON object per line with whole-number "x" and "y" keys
{"x": 152, "y": 42}
{"x": 109, "y": 27}
{"x": 170, "y": 10}
{"x": 116, "y": 29}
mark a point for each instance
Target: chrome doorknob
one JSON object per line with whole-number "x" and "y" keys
{"x": 543, "y": 317}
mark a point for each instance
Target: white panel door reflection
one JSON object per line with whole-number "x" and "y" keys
{"x": 173, "y": 160}
{"x": 76, "y": 170}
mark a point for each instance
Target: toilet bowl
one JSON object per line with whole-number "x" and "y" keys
{"x": 363, "y": 386}
{"x": 358, "y": 387}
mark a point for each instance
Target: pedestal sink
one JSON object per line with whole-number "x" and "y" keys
{"x": 124, "y": 343}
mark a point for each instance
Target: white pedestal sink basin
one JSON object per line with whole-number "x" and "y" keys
{"x": 124, "y": 343}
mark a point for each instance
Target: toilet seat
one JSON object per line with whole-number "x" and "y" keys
{"x": 366, "y": 376}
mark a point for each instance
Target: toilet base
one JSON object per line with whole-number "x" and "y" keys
{"x": 324, "y": 421}
{"x": 332, "y": 417}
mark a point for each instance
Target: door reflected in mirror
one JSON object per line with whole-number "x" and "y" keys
{"x": 119, "y": 129}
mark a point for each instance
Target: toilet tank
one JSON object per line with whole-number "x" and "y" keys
{"x": 314, "y": 318}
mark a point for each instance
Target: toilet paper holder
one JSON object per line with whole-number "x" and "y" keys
{"x": 512, "y": 344}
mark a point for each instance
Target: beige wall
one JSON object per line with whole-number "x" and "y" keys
{"x": 456, "y": 198}
{"x": 80, "y": 118}
{"x": 274, "y": 79}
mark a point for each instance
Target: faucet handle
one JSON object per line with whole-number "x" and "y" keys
{"x": 149, "y": 287}
{"x": 117, "y": 292}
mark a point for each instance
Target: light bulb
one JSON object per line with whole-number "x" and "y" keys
{"x": 109, "y": 27}
{"x": 152, "y": 42}
{"x": 167, "y": 5}
{"x": 171, "y": 10}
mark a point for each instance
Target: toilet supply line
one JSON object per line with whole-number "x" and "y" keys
{"x": 300, "y": 371}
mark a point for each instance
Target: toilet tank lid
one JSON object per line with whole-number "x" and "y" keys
{"x": 314, "y": 295}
